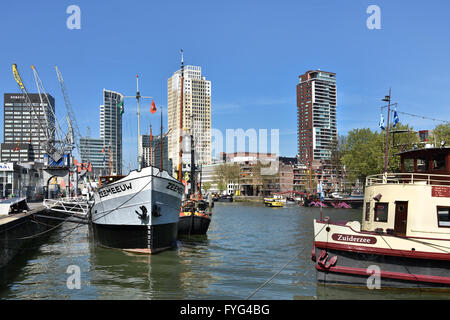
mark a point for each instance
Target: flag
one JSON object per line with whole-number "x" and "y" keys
{"x": 381, "y": 122}
{"x": 120, "y": 106}
{"x": 396, "y": 119}
{"x": 320, "y": 190}
{"x": 153, "y": 108}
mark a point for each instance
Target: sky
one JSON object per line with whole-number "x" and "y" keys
{"x": 251, "y": 51}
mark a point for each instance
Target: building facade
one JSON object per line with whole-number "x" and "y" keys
{"x": 196, "y": 115}
{"x": 23, "y": 127}
{"x": 111, "y": 127}
{"x": 93, "y": 151}
{"x": 316, "y": 112}
{"x": 151, "y": 152}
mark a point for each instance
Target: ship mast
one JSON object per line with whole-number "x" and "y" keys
{"x": 180, "y": 158}
{"x": 138, "y": 98}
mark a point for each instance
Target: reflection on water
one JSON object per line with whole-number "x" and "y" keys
{"x": 245, "y": 246}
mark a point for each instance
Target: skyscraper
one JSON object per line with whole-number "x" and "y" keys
{"x": 23, "y": 128}
{"x": 196, "y": 113}
{"x": 106, "y": 151}
{"x": 111, "y": 127}
{"x": 316, "y": 111}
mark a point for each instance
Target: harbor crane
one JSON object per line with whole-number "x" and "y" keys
{"x": 71, "y": 120}
{"x": 57, "y": 145}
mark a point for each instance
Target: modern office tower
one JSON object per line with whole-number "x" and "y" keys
{"x": 23, "y": 128}
{"x": 151, "y": 156}
{"x": 93, "y": 151}
{"x": 196, "y": 113}
{"x": 316, "y": 103}
{"x": 111, "y": 127}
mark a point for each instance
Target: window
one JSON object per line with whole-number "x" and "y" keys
{"x": 438, "y": 161}
{"x": 381, "y": 211}
{"x": 422, "y": 165}
{"x": 443, "y": 216}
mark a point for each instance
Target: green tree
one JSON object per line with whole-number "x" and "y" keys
{"x": 206, "y": 186}
{"x": 441, "y": 133}
{"x": 363, "y": 152}
{"x": 226, "y": 173}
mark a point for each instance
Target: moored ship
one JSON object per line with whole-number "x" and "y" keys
{"x": 404, "y": 237}
{"x": 138, "y": 212}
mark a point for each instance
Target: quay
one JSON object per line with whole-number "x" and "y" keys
{"x": 21, "y": 229}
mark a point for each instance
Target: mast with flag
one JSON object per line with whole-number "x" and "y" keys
{"x": 138, "y": 98}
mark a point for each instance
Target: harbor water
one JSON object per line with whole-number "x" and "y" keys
{"x": 246, "y": 245}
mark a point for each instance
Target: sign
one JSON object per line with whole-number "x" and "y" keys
{"x": 354, "y": 239}
{"x": 6, "y": 166}
{"x": 440, "y": 191}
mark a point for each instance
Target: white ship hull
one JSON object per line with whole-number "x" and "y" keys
{"x": 139, "y": 212}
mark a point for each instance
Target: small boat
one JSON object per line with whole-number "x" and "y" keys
{"x": 224, "y": 198}
{"x": 404, "y": 237}
{"x": 195, "y": 217}
{"x": 195, "y": 212}
{"x": 273, "y": 203}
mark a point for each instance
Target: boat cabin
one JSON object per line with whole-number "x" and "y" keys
{"x": 414, "y": 202}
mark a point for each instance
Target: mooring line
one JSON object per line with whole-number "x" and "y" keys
{"x": 278, "y": 272}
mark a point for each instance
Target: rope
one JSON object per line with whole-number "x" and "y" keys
{"x": 278, "y": 272}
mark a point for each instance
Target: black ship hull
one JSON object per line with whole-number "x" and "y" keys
{"x": 146, "y": 239}
{"x": 193, "y": 224}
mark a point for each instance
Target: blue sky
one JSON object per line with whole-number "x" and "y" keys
{"x": 252, "y": 51}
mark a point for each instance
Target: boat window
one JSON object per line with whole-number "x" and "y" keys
{"x": 422, "y": 165}
{"x": 438, "y": 161}
{"x": 408, "y": 164}
{"x": 443, "y": 216}
{"x": 367, "y": 217}
{"x": 381, "y": 211}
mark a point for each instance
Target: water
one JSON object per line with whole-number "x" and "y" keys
{"x": 245, "y": 246}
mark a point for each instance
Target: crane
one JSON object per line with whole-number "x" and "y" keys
{"x": 71, "y": 120}
{"x": 55, "y": 144}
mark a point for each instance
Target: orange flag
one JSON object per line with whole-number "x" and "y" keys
{"x": 153, "y": 109}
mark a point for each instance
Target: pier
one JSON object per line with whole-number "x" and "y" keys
{"x": 19, "y": 229}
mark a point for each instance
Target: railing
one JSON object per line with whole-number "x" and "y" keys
{"x": 71, "y": 206}
{"x": 408, "y": 178}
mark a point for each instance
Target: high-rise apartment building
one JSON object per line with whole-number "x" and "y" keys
{"x": 316, "y": 111}
{"x": 196, "y": 113}
{"x": 111, "y": 127}
{"x": 105, "y": 153}
{"x": 23, "y": 128}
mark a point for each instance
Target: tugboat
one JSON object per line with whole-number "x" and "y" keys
{"x": 404, "y": 237}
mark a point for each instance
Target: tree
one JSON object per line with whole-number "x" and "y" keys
{"x": 363, "y": 152}
{"x": 441, "y": 133}
{"x": 226, "y": 173}
{"x": 206, "y": 186}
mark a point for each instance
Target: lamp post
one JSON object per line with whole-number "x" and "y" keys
{"x": 386, "y": 149}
